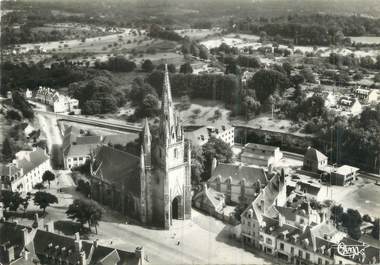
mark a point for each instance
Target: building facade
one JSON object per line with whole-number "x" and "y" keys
{"x": 60, "y": 103}
{"x": 239, "y": 183}
{"x": 155, "y": 187}
{"x": 25, "y": 171}
{"x": 261, "y": 155}
{"x": 200, "y": 136}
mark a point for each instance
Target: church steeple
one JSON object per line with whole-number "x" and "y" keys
{"x": 147, "y": 141}
{"x": 168, "y": 121}
{"x": 147, "y": 138}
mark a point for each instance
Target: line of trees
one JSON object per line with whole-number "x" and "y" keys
{"x": 309, "y": 29}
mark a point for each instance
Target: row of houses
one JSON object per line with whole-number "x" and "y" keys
{"x": 25, "y": 170}
{"x": 299, "y": 235}
{"x": 60, "y": 103}
{"x": 23, "y": 245}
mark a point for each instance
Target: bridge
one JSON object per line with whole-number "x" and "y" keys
{"x": 125, "y": 127}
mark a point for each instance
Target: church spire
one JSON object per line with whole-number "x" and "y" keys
{"x": 147, "y": 141}
{"x": 168, "y": 120}
{"x": 147, "y": 136}
{"x": 142, "y": 162}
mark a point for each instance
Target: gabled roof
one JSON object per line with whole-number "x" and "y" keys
{"x": 8, "y": 170}
{"x": 213, "y": 196}
{"x": 120, "y": 139}
{"x": 111, "y": 259}
{"x": 46, "y": 242}
{"x": 90, "y": 139}
{"x": 314, "y": 155}
{"x": 237, "y": 173}
{"x": 260, "y": 147}
{"x": 28, "y": 160}
{"x": 117, "y": 167}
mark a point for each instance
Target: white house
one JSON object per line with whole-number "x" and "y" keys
{"x": 261, "y": 155}
{"x": 59, "y": 102}
{"x": 350, "y": 105}
{"x": 25, "y": 171}
{"x": 201, "y": 135}
{"x": 367, "y": 96}
{"x": 28, "y": 93}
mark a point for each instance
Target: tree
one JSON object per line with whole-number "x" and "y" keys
{"x": 25, "y": 201}
{"x": 266, "y": 82}
{"x": 48, "y": 176}
{"x": 251, "y": 106}
{"x": 147, "y": 66}
{"x": 233, "y": 68}
{"x": 39, "y": 186}
{"x": 186, "y": 68}
{"x": 84, "y": 211}
{"x": 11, "y": 200}
{"x": 337, "y": 213}
{"x": 203, "y": 52}
{"x": 308, "y": 75}
{"x": 216, "y": 148}
{"x": 8, "y": 150}
{"x": 149, "y": 105}
{"x": 376, "y": 78}
{"x": 44, "y": 200}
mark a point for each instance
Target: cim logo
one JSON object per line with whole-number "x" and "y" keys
{"x": 351, "y": 251}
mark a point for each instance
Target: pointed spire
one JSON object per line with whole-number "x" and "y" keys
{"x": 168, "y": 120}
{"x": 147, "y": 136}
{"x": 142, "y": 161}
{"x": 166, "y": 93}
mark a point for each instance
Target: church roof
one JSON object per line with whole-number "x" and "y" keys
{"x": 239, "y": 172}
{"x": 117, "y": 167}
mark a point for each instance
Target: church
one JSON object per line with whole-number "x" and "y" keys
{"x": 155, "y": 187}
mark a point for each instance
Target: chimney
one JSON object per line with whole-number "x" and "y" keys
{"x": 322, "y": 248}
{"x": 213, "y": 165}
{"x": 95, "y": 243}
{"x": 285, "y": 234}
{"x": 25, "y": 235}
{"x": 26, "y": 255}
{"x": 11, "y": 253}
{"x": 36, "y": 222}
{"x": 262, "y": 204}
{"x": 83, "y": 258}
{"x": 205, "y": 186}
{"x": 281, "y": 220}
{"x": 1, "y": 210}
{"x": 49, "y": 227}
{"x": 78, "y": 243}
{"x": 139, "y": 252}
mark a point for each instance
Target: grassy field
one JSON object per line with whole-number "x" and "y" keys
{"x": 203, "y": 112}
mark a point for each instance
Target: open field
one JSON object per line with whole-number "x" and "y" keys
{"x": 265, "y": 122}
{"x": 126, "y": 39}
{"x": 202, "y": 112}
{"x": 366, "y": 39}
{"x": 198, "y": 34}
